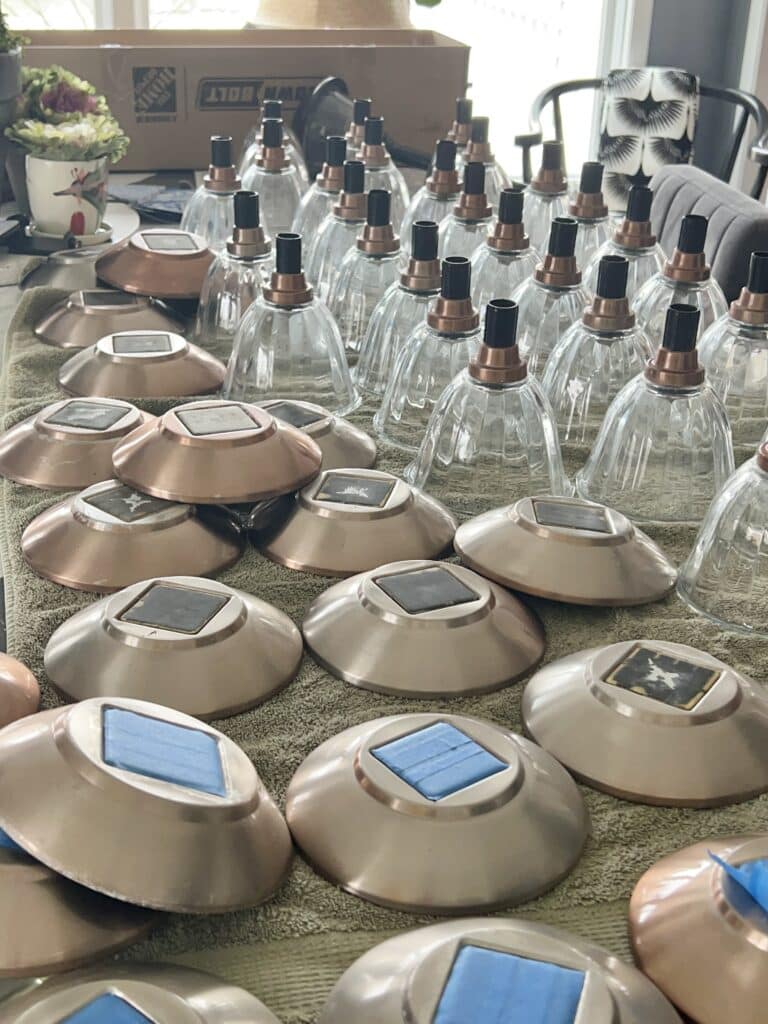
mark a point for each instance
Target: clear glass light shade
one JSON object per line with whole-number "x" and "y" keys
{"x": 390, "y": 178}
{"x": 545, "y": 315}
{"x": 459, "y": 237}
{"x": 334, "y": 238}
{"x": 496, "y": 275}
{"x": 230, "y": 287}
{"x": 585, "y": 372}
{"x": 540, "y": 210}
{"x": 657, "y": 295}
{"x": 643, "y": 265}
{"x": 661, "y": 454}
{"x": 393, "y": 320}
{"x": 360, "y": 284}
{"x": 427, "y": 364}
{"x": 315, "y": 205}
{"x": 252, "y": 151}
{"x": 590, "y": 237}
{"x": 424, "y": 206}
{"x": 280, "y": 193}
{"x": 726, "y": 574}
{"x": 210, "y": 215}
{"x": 290, "y": 352}
{"x": 735, "y": 356}
{"x": 492, "y": 444}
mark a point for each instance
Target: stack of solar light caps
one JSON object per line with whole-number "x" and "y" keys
{"x": 176, "y": 816}
{"x": 87, "y": 315}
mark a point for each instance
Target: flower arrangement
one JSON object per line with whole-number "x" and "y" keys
{"x": 9, "y": 40}
{"x": 61, "y": 117}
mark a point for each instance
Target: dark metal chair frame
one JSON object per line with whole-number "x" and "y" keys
{"x": 750, "y": 107}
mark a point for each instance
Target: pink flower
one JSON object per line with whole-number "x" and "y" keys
{"x": 63, "y": 99}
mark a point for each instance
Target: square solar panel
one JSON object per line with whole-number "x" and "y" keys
{"x": 108, "y": 1008}
{"x": 129, "y": 343}
{"x": 226, "y": 419}
{"x": 350, "y": 489}
{"x": 296, "y": 415}
{"x": 179, "y": 609}
{"x": 438, "y": 761}
{"x": 426, "y": 590}
{"x": 168, "y": 242}
{"x": 573, "y": 517}
{"x": 87, "y": 415}
{"x": 491, "y": 986}
{"x": 108, "y": 300}
{"x": 162, "y": 750}
{"x": 673, "y": 681}
{"x": 126, "y": 504}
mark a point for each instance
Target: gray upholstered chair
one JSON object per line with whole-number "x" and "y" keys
{"x": 738, "y": 225}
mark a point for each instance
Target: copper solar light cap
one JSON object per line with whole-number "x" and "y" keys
{"x": 589, "y": 204}
{"x": 676, "y": 362}
{"x": 87, "y": 315}
{"x": 142, "y": 364}
{"x": 176, "y": 816}
{"x": 428, "y": 629}
{"x": 186, "y": 643}
{"x": 341, "y": 442}
{"x": 48, "y": 924}
{"x": 109, "y": 536}
{"x": 472, "y": 204}
{"x": 461, "y": 129}
{"x": 566, "y": 549}
{"x": 508, "y": 234}
{"x": 699, "y": 929}
{"x": 134, "y": 993}
{"x": 558, "y": 268}
{"x": 19, "y": 691}
{"x": 436, "y": 975}
{"x": 355, "y": 136}
{"x": 636, "y": 230}
{"x": 217, "y": 452}
{"x": 688, "y": 262}
{"x": 443, "y": 178}
{"x": 550, "y": 177}
{"x": 69, "y": 444}
{"x": 164, "y": 262}
{"x": 657, "y": 723}
{"x": 371, "y": 807}
{"x": 350, "y": 520}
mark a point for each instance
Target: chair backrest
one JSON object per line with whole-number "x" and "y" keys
{"x": 648, "y": 119}
{"x": 738, "y": 225}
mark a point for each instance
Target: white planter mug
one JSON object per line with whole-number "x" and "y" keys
{"x": 67, "y": 196}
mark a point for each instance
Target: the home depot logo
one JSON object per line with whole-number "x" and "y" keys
{"x": 250, "y": 93}
{"x": 154, "y": 94}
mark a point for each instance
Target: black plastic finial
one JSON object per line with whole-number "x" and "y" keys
{"x": 552, "y": 155}
{"x": 374, "y": 131}
{"x": 379, "y": 201}
{"x": 221, "y": 150}
{"x": 445, "y": 155}
{"x": 693, "y": 233}
{"x": 500, "y": 323}
{"x": 288, "y": 253}
{"x": 272, "y": 108}
{"x": 639, "y": 204}
{"x": 511, "y": 205}
{"x": 463, "y": 110}
{"x": 335, "y": 150}
{"x": 474, "y": 178}
{"x": 591, "y": 177}
{"x": 612, "y": 277}
{"x": 246, "y": 209}
{"x": 479, "y": 130}
{"x": 424, "y": 240}
{"x": 272, "y": 132}
{"x": 455, "y": 277}
{"x": 758, "y": 272}
{"x": 681, "y": 328}
{"x": 360, "y": 110}
{"x": 354, "y": 177}
{"x": 562, "y": 236}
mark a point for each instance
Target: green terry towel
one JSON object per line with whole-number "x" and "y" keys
{"x": 290, "y": 951}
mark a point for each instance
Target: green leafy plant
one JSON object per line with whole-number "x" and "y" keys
{"x": 90, "y": 137}
{"x": 55, "y": 95}
{"x": 9, "y": 40}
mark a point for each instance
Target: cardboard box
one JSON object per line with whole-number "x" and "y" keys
{"x": 172, "y": 90}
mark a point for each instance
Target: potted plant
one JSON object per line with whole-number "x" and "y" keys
{"x": 68, "y": 137}
{"x": 10, "y": 70}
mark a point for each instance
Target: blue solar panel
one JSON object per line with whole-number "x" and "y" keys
{"x": 7, "y": 843}
{"x": 162, "y": 750}
{"x": 487, "y": 986}
{"x": 752, "y": 876}
{"x": 107, "y": 1009}
{"x": 439, "y": 760}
